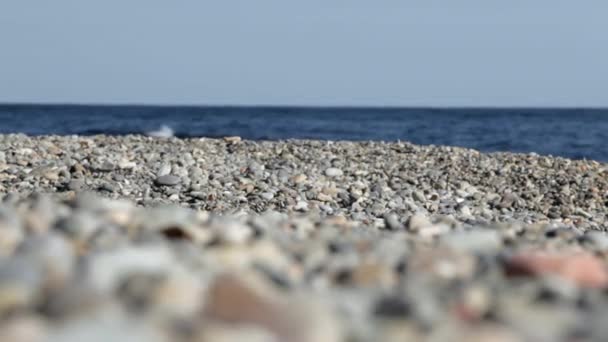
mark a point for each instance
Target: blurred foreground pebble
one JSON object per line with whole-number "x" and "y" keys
{"x": 94, "y": 269}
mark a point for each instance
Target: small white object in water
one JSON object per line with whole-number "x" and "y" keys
{"x": 164, "y": 132}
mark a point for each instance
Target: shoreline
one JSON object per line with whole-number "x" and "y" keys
{"x": 190, "y": 239}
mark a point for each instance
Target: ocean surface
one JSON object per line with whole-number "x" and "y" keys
{"x": 573, "y": 133}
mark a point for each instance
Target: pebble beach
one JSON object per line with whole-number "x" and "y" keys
{"x": 136, "y": 238}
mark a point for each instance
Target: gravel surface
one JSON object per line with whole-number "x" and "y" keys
{"x": 165, "y": 239}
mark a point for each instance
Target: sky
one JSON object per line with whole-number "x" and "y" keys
{"x": 313, "y": 52}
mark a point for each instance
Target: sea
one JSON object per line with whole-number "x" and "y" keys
{"x": 573, "y": 133}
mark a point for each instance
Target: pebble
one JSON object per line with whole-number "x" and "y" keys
{"x": 164, "y": 170}
{"x": 333, "y": 172}
{"x": 107, "y": 187}
{"x": 301, "y": 206}
{"x": 232, "y": 140}
{"x": 246, "y": 300}
{"x": 267, "y": 196}
{"x": 583, "y": 269}
{"x": 433, "y": 231}
{"x": 444, "y": 264}
{"x": 392, "y": 222}
{"x": 419, "y": 196}
{"x": 599, "y": 240}
{"x": 24, "y": 329}
{"x": 75, "y": 184}
{"x": 51, "y": 175}
{"x": 418, "y": 222}
{"x": 168, "y": 180}
{"x": 374, "y": 275}
{"x": 106, "y": 166}
{"x": 476, "y": 241}
{"x": 20, "y": 284}
{"x": 11, "y": 232}
{"x": 127, "y": 165}
{"x": 299, "y": 178}
{"x": 107, "y": 271}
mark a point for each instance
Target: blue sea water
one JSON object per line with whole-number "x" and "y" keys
{"x": 573, "y": 133}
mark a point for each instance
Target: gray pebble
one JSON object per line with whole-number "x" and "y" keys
{"x": 168, "y": 180}
{"x": 106, "y": 166}
{"x": 267, "y": 196}
{"x": 392, "y": 222}
{"x": 75, "y": 184}
{"x": 419, "y": 196}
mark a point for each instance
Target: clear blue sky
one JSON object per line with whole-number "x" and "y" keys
{"x": 313, "y": 52}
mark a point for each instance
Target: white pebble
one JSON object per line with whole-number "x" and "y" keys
{"x": 333, "y": 172}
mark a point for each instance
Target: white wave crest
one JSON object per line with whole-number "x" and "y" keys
{"x": 163, "y": 132}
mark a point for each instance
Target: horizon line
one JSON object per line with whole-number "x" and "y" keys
{"x": 299, "y": 106}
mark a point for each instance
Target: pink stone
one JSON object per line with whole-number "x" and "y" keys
{"x": 581, "y": 268}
